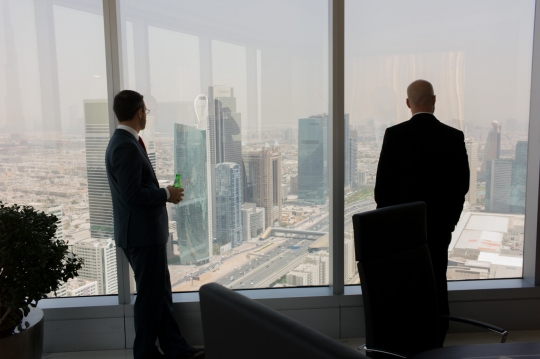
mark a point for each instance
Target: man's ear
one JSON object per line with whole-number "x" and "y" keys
{"x": 408, "y": 104}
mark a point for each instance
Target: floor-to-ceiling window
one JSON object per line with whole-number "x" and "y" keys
{"x": 478, "y": 56}
{"x": 238, "y": 99}
{"x": 54, "y": 128}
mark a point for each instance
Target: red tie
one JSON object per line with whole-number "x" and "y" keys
{"x": 142, "y": 144}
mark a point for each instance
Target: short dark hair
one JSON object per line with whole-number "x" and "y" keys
{"x": 126, "y": 104}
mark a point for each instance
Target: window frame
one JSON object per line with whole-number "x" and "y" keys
{"x": 336, "y": 28}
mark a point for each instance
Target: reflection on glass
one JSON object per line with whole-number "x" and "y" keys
{"x": 54, "y": 129}
{"x": 193, "y": 215}
{"x": 313, "y": 159}
{"x": 481, "y": 78}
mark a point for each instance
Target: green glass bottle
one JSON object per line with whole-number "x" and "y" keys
{"x": 177, "y": 181}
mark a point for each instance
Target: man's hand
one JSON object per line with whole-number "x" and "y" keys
{"x": 177, "y": 194}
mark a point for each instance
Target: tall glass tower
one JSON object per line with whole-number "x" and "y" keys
{"x": 225, "y": 133}
{"x": 193, "y": 214}
{"x": 493, "y": 146}
{"x": 96, "y": 116}
{"x": 519, "y": 179}
{"x": 351, "y": 149}
{"x": 229, "y": 204}
{"x": 313, "y": 159}
{"x": 472, "y": 154}
{"x": 498, "y": 183}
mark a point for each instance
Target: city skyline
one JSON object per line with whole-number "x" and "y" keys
{"x": 265, "y": 78}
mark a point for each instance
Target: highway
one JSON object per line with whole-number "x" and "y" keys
{"x": 262, "y": 271}
{"x": 263, "y": 268}
{"x": 281, "y": 260}
{"x": 350, "y": 209}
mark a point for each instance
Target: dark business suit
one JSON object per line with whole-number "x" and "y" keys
{"x": 425, "y": 160}
{"x": 141, "y": 230}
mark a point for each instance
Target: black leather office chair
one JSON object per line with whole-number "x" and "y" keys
{"x": 237, "y": 327}
{"x": 398, "y": 284}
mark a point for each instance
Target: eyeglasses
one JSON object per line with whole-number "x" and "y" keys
{"x": 147, "y": 111}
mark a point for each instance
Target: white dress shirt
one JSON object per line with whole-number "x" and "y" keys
{"x": 130, "y": 130}
{"x": 136, "y": 135}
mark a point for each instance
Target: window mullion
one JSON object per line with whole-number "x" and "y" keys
{"x": 531, "y": 251}
{"x": 336, "y": 139}
{"x": 113, "y": 55}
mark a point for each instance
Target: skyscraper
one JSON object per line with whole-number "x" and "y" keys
{"x": 289, "y": 134}
{"x": 263, "y": 180}
{"x": 498, "y": 183}
{"x": 312, "y": 159}
{"x": 472, "y": 153}
{"x": 99, "y": 263}
{"x": 252, "y": 221}
{"x": 350, "y": 261}
{"x": 225, "y": 133}
{"x": 55, "y": 210}
{"x": 59, "y": 213}
{"x": 225, "y": 125}
{"x": 229, "y": 204}
{"x": 519, "y": 179}
{"x": 193, "y": 214}
{"x": 351, "y": 150}
{"x": 346, "y": 151}
{"x": 493, "y": 146}
{"x": 294, "y": 185}
{"x": 96, "y": 115}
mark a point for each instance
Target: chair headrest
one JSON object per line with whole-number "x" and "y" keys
{"x": 235, "y": 326}
{"x": 389, "y": 230}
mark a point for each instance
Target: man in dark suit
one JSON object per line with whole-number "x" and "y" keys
{"x": 425, "y": 160}
{"x": 141, "y": 229}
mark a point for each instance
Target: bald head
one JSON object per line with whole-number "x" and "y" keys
{"x": 420, "y": 97}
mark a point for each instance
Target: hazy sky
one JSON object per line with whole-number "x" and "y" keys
{"x": 477, "y": 53}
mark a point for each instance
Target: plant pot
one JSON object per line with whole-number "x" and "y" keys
{"x": 27, "y": 343}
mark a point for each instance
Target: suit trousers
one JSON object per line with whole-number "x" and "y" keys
{"x": 154, "y": 317}
{"x": 438, "y": 243}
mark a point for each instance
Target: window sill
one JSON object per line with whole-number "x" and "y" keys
{"x": 459, "y": 291}
{"x": 74, "y": 302}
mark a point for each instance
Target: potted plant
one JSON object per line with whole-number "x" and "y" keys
{"x": 33, "y": 263}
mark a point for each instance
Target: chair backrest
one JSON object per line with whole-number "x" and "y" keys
{"x": 396, "y": 275}
{"x": 235, "y": 326}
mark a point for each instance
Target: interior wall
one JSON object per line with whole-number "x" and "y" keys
{"x": 111, "y": 327}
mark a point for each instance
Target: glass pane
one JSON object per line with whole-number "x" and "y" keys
{"x": 477, "y": 54}
{"x": 54, "y": 128}
{"x": 238, "y": 99}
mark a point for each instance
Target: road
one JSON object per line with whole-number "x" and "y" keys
{"x": 266, "y": 269}
{"x": 261, "y": 260}
{"x": 350, "y": 209}
{"x": 280, "y": 260}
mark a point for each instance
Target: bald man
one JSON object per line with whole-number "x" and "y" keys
{"x": 425, "y": 160}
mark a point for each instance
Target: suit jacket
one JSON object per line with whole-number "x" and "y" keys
{"x": 140, "y": 214}
{"x": 424, "y": 160}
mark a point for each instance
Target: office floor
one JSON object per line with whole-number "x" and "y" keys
{"x": 451, "y": 339}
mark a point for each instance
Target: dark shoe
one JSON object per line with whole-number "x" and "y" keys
{"x": 193, "y": 353}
